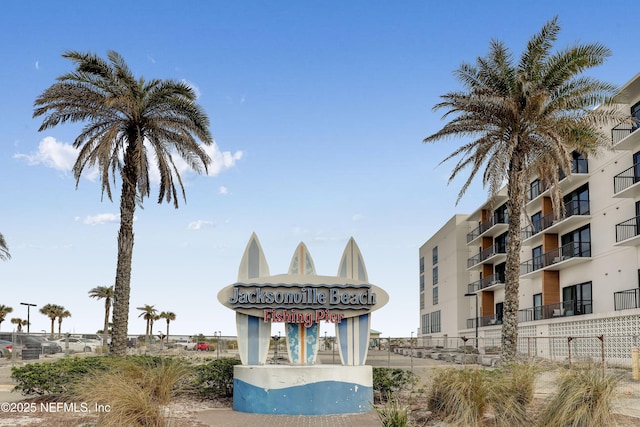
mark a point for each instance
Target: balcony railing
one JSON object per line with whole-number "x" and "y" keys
{"x": 620, "y": 132}
{"x": 486, "y": 253}
{"x": 628, "y": 229}
{"x": 577, "y": 166}
{"x": 626, "y": 300}
{"x": 489, "y": 320}
{"x": 626, "y": 178}
{"x": 485, "y": 282}
{"x": 570, "y": 250}
{"x": 486, "y": 225}
{"x": 573, "y": 207}
{"x": 559, "y": 309}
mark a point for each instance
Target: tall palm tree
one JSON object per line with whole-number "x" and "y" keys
{"x": 51, "y": 311}
{"x": 526, "y": 119}
{"x": 126, "y": 117}
{"x": 4, "y": 310}
{"x": 19, "y": 322}
{"x": 148, "y": 313}
{"x": 169, "y": 317}
{"x": 4, "y": 249}
{"x": 62, "y": 314}
{"x": 105, "y": 292}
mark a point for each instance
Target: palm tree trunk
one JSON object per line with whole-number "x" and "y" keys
{"x": 122, "y": 287}
{"x": 516, "y": 193}
{"x": 168, "y": 331}
{"x": 53, "y": 319}
{"x": 105, "y": 329}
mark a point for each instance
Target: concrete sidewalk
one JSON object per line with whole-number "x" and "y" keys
{"x": 228, "y": 418}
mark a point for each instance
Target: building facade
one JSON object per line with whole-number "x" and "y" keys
{"x": 579, "y": 273}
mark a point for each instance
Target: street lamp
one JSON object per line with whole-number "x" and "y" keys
{"x": 28, "y": 313}
{"x": 217, "y": 334}
{"x": 476, "y": 320}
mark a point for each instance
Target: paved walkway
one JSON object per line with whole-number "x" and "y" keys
{"x": 229, "y": 418}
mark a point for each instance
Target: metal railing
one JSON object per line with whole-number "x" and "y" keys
{"x": 626, "y": 178}
{"x": 620, "y": 132}
{"x": 485, "y": 226}
{"x": 625, "y": 300}
{"x": 559, "y": 309}
{"x": 572, "y": 207}
{"x": 485, "y": 282}
{"x": 570, "y": 250}
{"x": 628, "y": 229}
{"x": 486, "y": 253}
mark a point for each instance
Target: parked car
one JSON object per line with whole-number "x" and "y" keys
{"x": 203, "y": 346}
{"x": 6, "y": 347}
{"x": 184, "y": 344}
{"x": 29, "y": 341}
{"x": 77, "y": 345}
{"x": 48, "y": 347}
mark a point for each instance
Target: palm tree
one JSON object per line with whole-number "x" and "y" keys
{"x": 19, "y": 322}
{"x": 148, "y": 313}
{"x": 51, "y": 311}
{"x": 105, "y": 292}
{"x": 4, "y": 249}
{"x": 4, "y": 310}
{"x": 126, "y": 118}
{"x": 62, "y": 313}
{"x": 526, "y": 119}
{"x": 169, "y": 316}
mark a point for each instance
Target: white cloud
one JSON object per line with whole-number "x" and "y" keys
{"x": 51, "y": 153}
{"x": 200, "y": 224}
{"x": 223, "y": 190}
{"x": 100, "y": 219}
{"x": 37, "y": 65}
{"x": 193, "y": 86}
{"x": 221, "y": 160}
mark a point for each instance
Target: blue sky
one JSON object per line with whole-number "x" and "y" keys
{"x": 318, "y": 110}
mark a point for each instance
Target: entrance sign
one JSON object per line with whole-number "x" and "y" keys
{"x": 302, "y": 300}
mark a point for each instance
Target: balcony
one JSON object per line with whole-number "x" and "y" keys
{"x": 624, "y": 137}
{"x": 626, "y": 300}
{"x": 488, "y": 283}
{"x": 492, "y": 227}
{"x": 494, "y": 254}
{"x": 577, "y": 214}
{"x": 579, "y": 175}
{"x": 556, "y": 310}
{"x": 628, "y": 232}
{"x": 490, "y": 320}
{"x": 625, "y": 184}
{"x": 564, "y": 256}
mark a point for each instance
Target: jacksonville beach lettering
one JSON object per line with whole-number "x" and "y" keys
{"x": 325, "y": 297}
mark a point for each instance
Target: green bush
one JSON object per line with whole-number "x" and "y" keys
{"x": 583, "y": 398}
{"x": 393, "y": 413}
{"x": 215, "y": 378}
{"x": 388, "y": 381}
{"x": 511, "y": 392}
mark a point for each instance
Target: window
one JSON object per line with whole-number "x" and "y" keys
{"x": 501, "y": 243}
{"x": 635, "y": 112}
{"x": 500, "y": 215}
{"x": 577, "y": 202}
{"x": 425, "y": 324}
{"x": 579, "y": 163}
{"x": 537, "y": 307}
{"x": 536, "y": 254}
{"x": 499, "y": 312}
{"x": 577, "y": 299}
{"x": 435, "y": 296}
{"x": 435, "y": 321}
{"x": 577, "y": 243}
{"x": 422, "y": 283}
{"x": 434, "y": 275}
{"x": 536, "y": 222}
{"x": 421, "y": 300}
{"x": 636, "y": 167}
{"x": 499, "y": 272}
{"x": 434, "y": 256}
{"x": 535, "y": 189}
{"x": 421, "y": 265}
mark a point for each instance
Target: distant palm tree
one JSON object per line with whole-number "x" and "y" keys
{"x": 151, "y": 321}
{"x": 4, "y": 249}
{"x": 19, "y": 322}
{"x": 148, "y": 312}
{"x": 105, "y": 292}
{"x": 62, "y": 314}
{"x": 526, "y": 119}
{"x": 4, "y": 310}
{"x": 131, "y": 123}
{"x": 169, "y": 316}
{"x": 51, "y": 311}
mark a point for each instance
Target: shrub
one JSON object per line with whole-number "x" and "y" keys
{"x": 511, "y": 392}
{"x": 583, "y": 398}
{"x": 215, "y": 378}
{"x": 460, "y": 396}
{"x": 393, "y": 414}
{"x": 388, "y": 381}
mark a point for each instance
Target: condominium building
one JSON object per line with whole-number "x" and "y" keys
{"x": 579, "y": 274}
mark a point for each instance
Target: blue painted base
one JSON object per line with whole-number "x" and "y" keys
{"x": 311, "y": 390}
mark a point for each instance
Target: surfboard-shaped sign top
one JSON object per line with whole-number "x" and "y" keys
{"x": 353, "y": 333}
{"x": 254, "y": 334}
{"x": 302, "y": 341}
